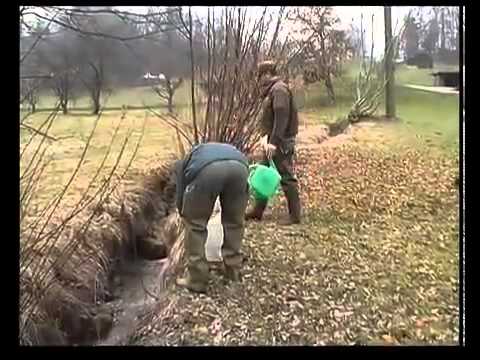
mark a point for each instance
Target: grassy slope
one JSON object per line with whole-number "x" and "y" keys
{"x": 74, "y": 129}
{"x": 433, "y": 117}
{"x": 64, "y": 154}
{"x": 426, "y": 119}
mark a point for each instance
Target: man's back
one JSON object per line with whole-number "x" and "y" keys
{"x": 280, "y": 116}
{"x": 204, "y": 154}
{"x": 292, "y": 126}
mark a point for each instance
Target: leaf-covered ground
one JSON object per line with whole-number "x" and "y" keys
{"x": 374, "y": 262}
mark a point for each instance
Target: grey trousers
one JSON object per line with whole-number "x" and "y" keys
{"x": 226, "y": 179}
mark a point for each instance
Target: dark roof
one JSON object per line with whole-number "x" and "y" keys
{"x": 440, "y": 73}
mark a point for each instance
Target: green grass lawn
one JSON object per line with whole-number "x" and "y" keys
{"x": 426, "y": 119}
{"x": 74, "y": 129}
{"x": 133, "y": 97}
{"x": 433, "y": 117}
{"x": 412, "y": 75}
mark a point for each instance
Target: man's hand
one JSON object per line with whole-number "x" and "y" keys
{"x": 270, "y": 151}
{"x": 263, "y": 142}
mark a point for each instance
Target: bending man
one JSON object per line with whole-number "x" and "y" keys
{"x": 209, "y": 171}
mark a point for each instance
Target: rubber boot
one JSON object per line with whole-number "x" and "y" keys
{"x": 187, "y": 283}
{"x": 232, "y": 273}
{"x": 257, "y": 212}
{"x": 294, "y": 208}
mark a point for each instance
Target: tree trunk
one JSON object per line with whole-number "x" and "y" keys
{"x": 96, "y": 86}
{"x": 34, "y": 108}
{"x": 64, "y": 107}
{"x": 456, "y": 30}
{"x": 389, "y": 69}
{"x": 330, "y": 89}
{"x": 96, "y": 105}
{"x": 170, "y": 92}
{"x": 170, "y": 103}
{"x": 192, "y": 73}
{"x": 442, "y": 43}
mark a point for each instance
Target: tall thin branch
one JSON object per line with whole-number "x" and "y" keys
{"x": 192, "y": 80}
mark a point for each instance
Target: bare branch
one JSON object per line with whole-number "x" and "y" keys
{"x": 100, "y": 34}
{"x": 277, "y": 29}
{"x": 122, "y": 13}
{"x": 192, "y": 80}
{"x": 31, "y": 128}
{"x": 173, "y": 122}
{"x": 39, "y": 37}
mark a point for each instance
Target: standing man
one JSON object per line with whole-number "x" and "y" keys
{"x": 279, "y": 126}
{"x": 209, "y": 171}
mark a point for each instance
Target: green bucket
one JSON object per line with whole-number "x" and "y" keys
{"x": 264, "y": 180}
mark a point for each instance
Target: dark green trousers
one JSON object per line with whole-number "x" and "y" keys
{"x": 226, "y": 179}
{"x": 284, "y": 164}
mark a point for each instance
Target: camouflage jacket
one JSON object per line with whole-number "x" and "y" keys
{"x": 279, "y": 117}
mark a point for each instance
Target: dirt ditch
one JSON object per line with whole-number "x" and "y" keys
{"x": 139, "y": 286}
{"x": 79, "y": 294}
{"x": 124, "y": 252}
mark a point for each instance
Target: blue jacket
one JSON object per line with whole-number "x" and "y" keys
{"x": 200, "y": 156}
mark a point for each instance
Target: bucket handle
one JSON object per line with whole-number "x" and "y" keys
{"x": 272, "y": 164}
{"x": 250, "y": 169}
{"x": 254, "y": 166}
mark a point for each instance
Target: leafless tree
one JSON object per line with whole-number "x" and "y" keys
{"x": 29, "y": 93}
{"x": 326, "y": 49}
{"x": 370, "y": 82}
{"x": 166, "y": 88}
{"x": 438, "y": 30}
{"x": 81, "y": 41}
{"x": 356, "y": 38}
{"x": 57, "y": 57}
{"x": 97, "y": 55}
{"x": 70, "y": 19}
{"x": 167, "y": 55}
{"x": 233, "y": 45}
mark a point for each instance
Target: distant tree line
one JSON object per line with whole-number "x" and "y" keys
{"x": 85, "y": 51}
{"x": 90, "y": 51}
{"x": 434, "y": 31}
